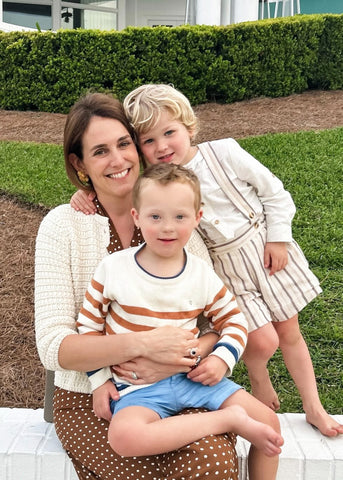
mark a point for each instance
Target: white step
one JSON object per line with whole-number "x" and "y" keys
{"x": 30, "y": 449}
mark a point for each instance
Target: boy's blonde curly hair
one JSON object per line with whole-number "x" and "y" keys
{"x": 144, "y": 106}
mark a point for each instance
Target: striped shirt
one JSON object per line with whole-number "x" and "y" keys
{"x": 122, "y": 298}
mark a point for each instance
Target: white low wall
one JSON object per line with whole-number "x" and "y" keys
{"x": 30, "y": 450}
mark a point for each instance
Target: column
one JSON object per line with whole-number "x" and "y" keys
{"x": 208, "y": 13}
{"x": 244, "y": 10}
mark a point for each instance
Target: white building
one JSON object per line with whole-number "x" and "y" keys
{"x": 118, "y": 14}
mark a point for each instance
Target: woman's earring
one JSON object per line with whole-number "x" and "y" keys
{"x": 83, "y": 177}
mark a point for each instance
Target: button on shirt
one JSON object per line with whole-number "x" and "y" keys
{"x": 262, "y": 190}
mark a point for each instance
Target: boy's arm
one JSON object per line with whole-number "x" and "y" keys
{"x": 206, "y": 343}
{"x": 82, "y": 201}
{"x": 231, "y": 325}
{"x": 208, "y": 336}
{"x": 275, "y": 256}
{"x": 277, "y": 203}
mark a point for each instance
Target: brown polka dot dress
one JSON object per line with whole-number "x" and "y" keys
{"x": 84, "y": 437}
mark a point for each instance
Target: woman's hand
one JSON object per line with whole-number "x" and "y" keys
{"x": 169, "y": 346}
{"x": 146, "y": 371}
{"x": 82, "y": 201}
{"x": 101, "y": 400}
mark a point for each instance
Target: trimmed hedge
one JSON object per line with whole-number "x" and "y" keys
{"x": 48, "y": 71}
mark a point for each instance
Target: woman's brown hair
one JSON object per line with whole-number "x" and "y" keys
{"x": 78, "y": 119}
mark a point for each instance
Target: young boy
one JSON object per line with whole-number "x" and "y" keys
{"x": 247, "y": 227}
{"x": 161, "y": 284}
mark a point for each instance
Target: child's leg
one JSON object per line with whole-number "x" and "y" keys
{"x": 261, "y": 466}
{"x": 298, "y": 362}
{"x": 262, "y": 344}
{"x": 136, "y": 431}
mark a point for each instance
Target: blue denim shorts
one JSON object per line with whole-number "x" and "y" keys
{"x": 173, "y": 394}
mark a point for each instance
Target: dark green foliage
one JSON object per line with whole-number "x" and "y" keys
{"x": 328, "y": 72}
{"x": 48, "y": 71}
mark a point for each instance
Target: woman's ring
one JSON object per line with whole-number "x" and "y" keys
{"x": 193, "y": 352}
{"x": 134, "y": 375}
{"x": 198, "y": 360}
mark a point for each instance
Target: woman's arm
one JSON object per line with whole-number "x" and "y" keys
{"x": 167, "y": 345}
{"x": 149, "y": 371}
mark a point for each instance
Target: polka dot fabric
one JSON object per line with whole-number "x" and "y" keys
{"x": 84, "y": 437}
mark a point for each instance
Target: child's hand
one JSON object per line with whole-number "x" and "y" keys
{"x": 101, "y": 400}
{"x": 209, "y": 371}
{"x": 275, "y": 256}
{"x": 82, "y": 201}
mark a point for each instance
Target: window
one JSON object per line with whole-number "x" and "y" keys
{"x": 100, "y": 14}
{"x": 28, "y": 14}
{"x": 55, "y": 14}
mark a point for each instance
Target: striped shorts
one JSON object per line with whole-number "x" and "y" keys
{"x": 261, "y": 297}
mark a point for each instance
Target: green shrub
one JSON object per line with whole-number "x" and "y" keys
{"x": 328, "y": 71}
{"x": 48, "y": 71}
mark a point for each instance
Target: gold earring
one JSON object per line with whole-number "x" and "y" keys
{"x": 83, "y": 177}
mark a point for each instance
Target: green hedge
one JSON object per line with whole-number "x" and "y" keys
{"x": 48, "y": 71}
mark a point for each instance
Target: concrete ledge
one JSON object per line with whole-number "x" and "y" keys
{"x": 306, "y": 454}
{"x": 30, "y": 450}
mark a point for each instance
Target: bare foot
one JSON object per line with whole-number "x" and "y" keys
{"x": 263, "y": 390}
{"x": 259, "y": 434}
{"x": 324, "y": 422}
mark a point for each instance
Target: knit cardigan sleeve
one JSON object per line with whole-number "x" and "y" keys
{"x": 69, "y": 246}
{"x": 197, "y": 247}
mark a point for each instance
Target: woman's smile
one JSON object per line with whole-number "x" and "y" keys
{"x": 119, "y": 175}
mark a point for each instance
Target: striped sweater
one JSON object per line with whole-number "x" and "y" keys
{"x": 137, "y": 301}
{"x": 69, "y": 247}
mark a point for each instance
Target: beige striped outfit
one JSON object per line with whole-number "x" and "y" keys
{"x": 238, "y": 255}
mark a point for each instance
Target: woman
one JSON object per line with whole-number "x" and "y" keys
{"x": 100, "y": 154}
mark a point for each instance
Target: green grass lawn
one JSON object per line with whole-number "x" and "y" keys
{"x": 310, "y": 164}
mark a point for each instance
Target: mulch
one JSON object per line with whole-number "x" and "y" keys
{"x": 21, "y": 373}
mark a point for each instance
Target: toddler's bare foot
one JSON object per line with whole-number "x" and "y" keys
{"x": 263, "y": 390}
{"x": 324, "y": 422}
{"x": 259, "y": 434}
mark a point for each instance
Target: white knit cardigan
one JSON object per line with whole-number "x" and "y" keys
{"x": 69, "y": 246}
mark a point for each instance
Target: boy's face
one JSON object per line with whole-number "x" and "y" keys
{"x": 169, "y": 141}
{"x": 166, "y": 217}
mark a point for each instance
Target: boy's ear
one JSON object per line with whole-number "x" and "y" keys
{"x": 199, "y": 216}
{"x": 135, "y": 216}
{"x": 191, "y": 132}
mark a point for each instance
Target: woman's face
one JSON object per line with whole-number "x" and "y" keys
{"x": 110, "y": 157}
